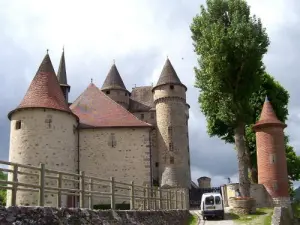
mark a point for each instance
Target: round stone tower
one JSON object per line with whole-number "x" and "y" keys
{"x": 204, "y": 182}
{"x": 172, "y": 129}
{"x": 114, "y": 87}
{"x": 43, "y": 130}
{"x": 271, "y": 157}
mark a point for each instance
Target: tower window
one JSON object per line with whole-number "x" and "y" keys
{"x": 152, "y": 115}
{"x": 156, "y": 164}
{"x": 142, "y": 116}
{"x": 171, "y": 160}
{"x": 171, "y": 87}
{"x": 18, "y": 125}
{"x": 275, "y": 186}
{"x": 107, "y": 92}
{"x": 125, "y": 93}
{"x": 170, "y": 146}
{"x": 272, "y": 158}
{"x": 112, "y": 141}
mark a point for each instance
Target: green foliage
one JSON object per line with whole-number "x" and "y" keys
{"x": 193, "y": 219}
{"x": 3, "y": 176}
{"x": 231, "y": 44}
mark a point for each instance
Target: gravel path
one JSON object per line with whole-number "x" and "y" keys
{"x": 226, "y": 221}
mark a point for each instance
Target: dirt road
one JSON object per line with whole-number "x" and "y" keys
{"x": 226, "y": 221}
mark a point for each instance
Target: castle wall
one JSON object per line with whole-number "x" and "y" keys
{"x": 122, "y": 153}
{"x": 119, "y": 96}
{"x": 46, "y": 136}
{"x": 172, "y": 135}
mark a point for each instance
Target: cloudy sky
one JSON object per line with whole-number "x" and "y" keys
{"x": 138, "y": 34}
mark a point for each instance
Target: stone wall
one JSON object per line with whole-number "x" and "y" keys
{"x": 122, "y": 153}
{"x": 257, "y": 191}
{"x": 53, "y": 216}
{"x": 45, "y": 136}
{"x": 281, "y": 216}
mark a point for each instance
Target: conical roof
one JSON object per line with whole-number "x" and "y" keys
{"x": 168, "y": 75}
{"x": 62, "y": 73}
{"x": 95, "y": 109}
{"x": 268, "y": 116}
{"x": 113, "y": 80}
{"x": 44, "y": 90}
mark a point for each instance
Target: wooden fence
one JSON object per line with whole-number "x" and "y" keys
{"x": 153, "y": 198}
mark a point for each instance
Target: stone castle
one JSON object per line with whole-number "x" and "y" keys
{"x": 139, "y": 136}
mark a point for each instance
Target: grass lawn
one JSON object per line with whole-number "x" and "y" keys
{"x": 262, "y": 216}
{"x": 193, "y": 220}
{"x": 296, "y": 209}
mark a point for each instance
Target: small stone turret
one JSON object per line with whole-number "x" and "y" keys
{"x": 204, "y": 182}
{"x": 43, "y": 130}
{"x": 271, "y": 157}
{"x": 114, "y": 87}
{"x": 172, "y": 129}
{"x": 62, "y": 77}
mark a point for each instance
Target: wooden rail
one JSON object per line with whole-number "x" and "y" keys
{"x": 139, "y": 197}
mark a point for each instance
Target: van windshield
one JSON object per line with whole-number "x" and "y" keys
{"x": 209, "y": 200}
{"x": 217, "y": 200}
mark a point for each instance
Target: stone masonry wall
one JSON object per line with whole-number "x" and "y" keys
{"x": 172, "y": 135}
{"x": 64, "y": 216}
{"x": 122, "y": 153}
{"x": 46, "y": 136}
{"x": 119, "y": 96}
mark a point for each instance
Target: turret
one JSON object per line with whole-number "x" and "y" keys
{"x": 114, "y": 87}
{"x": 43, "y": 130}
{"x": 62, "y": 77}
{"x": 172, "y": 134}
{"x": 271, "y": 157}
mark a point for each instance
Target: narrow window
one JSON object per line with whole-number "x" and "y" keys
{"x": 171, "y": 146}
{"x": 171, "y": 87}
{"x": 49, "y": 122}
{"x": 171, "y": 160}
{"x": 152, "y": 115}
{"x": 107, "y": 92}
{"x": 275, "y": 186}
{"x": 142, "y": 116}
{"x": 156, "y": 164}
{"x": 170, "y": 131}
{"x": 112, "y": 141}
{"x": 125, "y": 93}
{"x": 18, "y": 125}
{"x": 272, "y": 158}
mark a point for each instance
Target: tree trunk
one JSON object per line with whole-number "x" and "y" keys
{"x": 243, "y": 159}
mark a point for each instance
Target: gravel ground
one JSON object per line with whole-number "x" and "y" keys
{"x": 226, "y": 221}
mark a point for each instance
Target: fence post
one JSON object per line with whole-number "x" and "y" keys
{"x": 160, "y": 198}
{"x": 176, "y": 191}
{"x": 148, "y": 196}
{"x": 132, "y": 200}
{"x": 181, "y": 199}
{"x": 59, "y": 185}
{"x": 14, "y": 186}
{"x": 90, "y": 194}
{"x": 42, "y": 185}
{"x": 169, "y": 199}
{"x": 144, "y": 198}
{"x": 155, "y": 198}
{"x": 81, "y": 195}
{"x": 112, "y": 191}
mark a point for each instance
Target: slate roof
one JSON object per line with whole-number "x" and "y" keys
{"x": 61, "y": 73}
{"x": 268, "y": 116}
{"x": 168, "y": 75}
{"x": 141, "y": 99}
{"x": 44, "y": 90}
{"x": 95, "y": 109}
{"x": 113, "y": 80}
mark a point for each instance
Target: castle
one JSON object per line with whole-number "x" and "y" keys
{"x": 139, "y": 136}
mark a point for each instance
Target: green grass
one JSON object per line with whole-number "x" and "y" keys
{"x": 296, "y": 209}
{"x": 262, "y": 216}
{"x": 193, "y": 220}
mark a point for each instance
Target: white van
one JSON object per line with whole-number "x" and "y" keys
{"x": 212, "y": 205}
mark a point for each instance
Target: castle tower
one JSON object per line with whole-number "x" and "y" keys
{"x": 114, "y": 87}
{"x": 271, "y": 157}
{"x": 43, "y": 130}
{"x": 204, "y": 182}
{"x": 62, "y": 77}
{"x": 172, "y": 129}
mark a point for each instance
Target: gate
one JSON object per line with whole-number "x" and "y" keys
{"x": 196, "y": 195}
